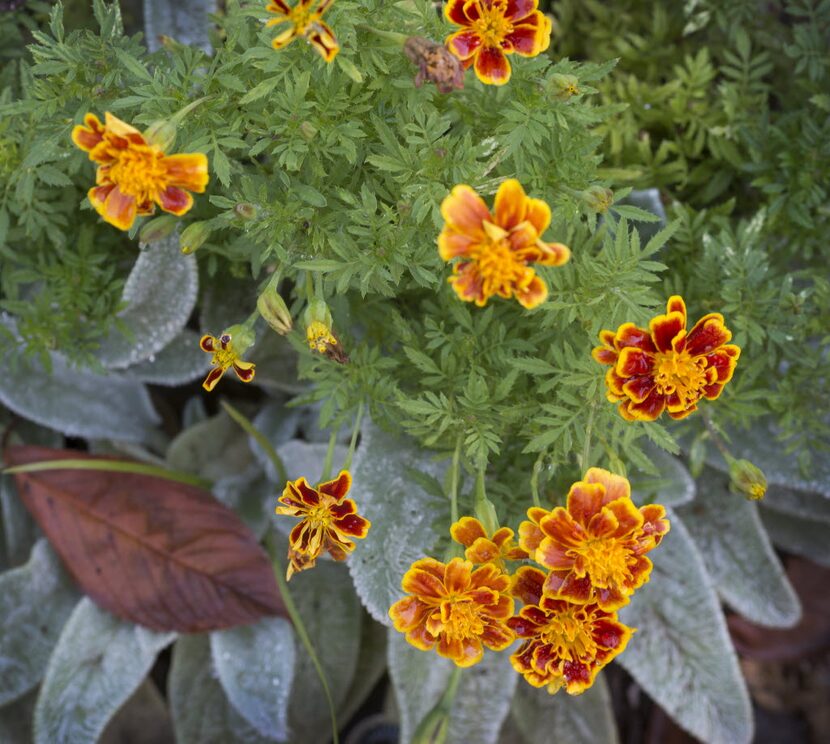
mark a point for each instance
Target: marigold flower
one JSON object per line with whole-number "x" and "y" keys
{"x": 482, "y": 548}
{"x": 495, "y": 249}
{"x": 596, "y": 546}
{"x": 454, "y": 609}
{"x": 305, "y": 18}
{"x": 666, "y": 368}
{"x": 435, "y": 64}
{"x": 565, "y": 644}
{"x": 492, "y": 29}
{"x": 329, "y": 520}
{"x": 134, "y": 174}
{"x": 226, "y": 353}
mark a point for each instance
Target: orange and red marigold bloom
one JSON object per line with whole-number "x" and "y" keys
{"x": 225, "y": 356}
{"x": 135, "y": 174}
{"x": 329, "y": 521}
{"x": 305, "y": 18}
{"x": 455, "y": 609}
{"x": 595, "y": 547}
{"x": 666, "y": 367}
{"x": 494, "y": 250}
{"x": 483, "y": 548}
{"x": 565, "y": 644}
{"x": 492, "y": 29}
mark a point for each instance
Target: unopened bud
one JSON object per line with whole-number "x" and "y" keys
{"x": 193, "y": 236}
{"x": 563, "y": 87}
{"x": 598, "y": 198}
{"x": 161, "y": 133}
{"x": 747, "y": 479}
{"x": 157, "y": 229}
{"x": 317, "y": 312}
{"x": 272, "y": 307}
{"x": 245, "y": 210}
{"x": 242, "y": 338}
{"x": 308, "y": 131}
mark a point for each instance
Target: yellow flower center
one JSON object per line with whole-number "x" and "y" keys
{"x": 605, "y": 561}
{"x": 139, "y": 171}
{"x": 302, "y": 17}
{"x": 464, "y": 619}
{"x": 319, "y": 337}
{"x": 499, "y": 269}
{"x": 492, "y": 26}
{"x": 224, "y": 358}
{"x": 319, "y": 516}
{"x": 569, "y": 635}
{"x": 681, "y": 373}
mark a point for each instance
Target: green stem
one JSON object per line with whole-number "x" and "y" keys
{"x": 586, "y": 448}
{"x": 534, "y": 480}
{"x": 484, "y": 509}
{"x": 326, "y": 474}
{"x": 353, "y": 442}
{"x": 252, "y": 318}
{"x": 112, "y": 466}
{"x": 394, "y": 36}
{"x": 719, "y": 443}
{"x": 260, "y": 438}
{"x": 300, "y": 628}
{"x": 456, "y": 457}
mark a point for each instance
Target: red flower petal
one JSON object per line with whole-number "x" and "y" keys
{"x": 407, "y": 613}
{"x": 244, "y": 370}
{"x": 584, "y": 501}
{"x": 510, "y": 206}
{"x": 492, "y": 66}
{"x": 188, "y": 171}
{"x": 464, "y": 652}
{"x": 531, "y": 37}
{"x": 213, "y": 377}
{"x": 467, "y": 530}
{"x": 616, "y": 486}
{"x": 206, "y": 343}
{"x": 454, "y": 12}
{"x": 306, "y": 493}
{"x": 630, "y": 335}
{"x": 464, "y": 44}
{"x": 534, "y": 294}
{"x": 353, "y": 524}
{"x": 527, "y": 584}
{"x": 465, "y": 211}
{"x": 516, "y": 10}
{"x": 573, "y": 588}
{"x": 423, "y": 584}
{"x": 633, "y": 361}
{"x": 338, "y": 487}
{"x": 707, "y": 335}
{"x": 118, "y": 209}
{"x": 497, "y": 637}
{"x": 322, "y": 38}
{"x": 649, "y": 410}
{"x": 664, "y": 328}
{"x": 175, "y": 200}
{"x": 452, "y": 244}
{"x": 639, "y": 388}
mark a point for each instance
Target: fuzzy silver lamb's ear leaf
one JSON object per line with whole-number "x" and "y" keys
{"x": 202, "y": 713}
{"x": 419, "y": 678}
{"x": 407, "y": 522}
{"x": 159, "y": 297}
{"x": 178, "y": 363}
{"x": 577, "y": 719}
{"x": 98, "y": 663}
{"x": 805, "y": 536}
{"x": 186, "y": 21}
{"x": 255, "y": 664}
{"x": 35, "y": 601}
{"x": 681, "y": 654}
{"x": 739, "y": 557}
{"x": 671, "y": 486}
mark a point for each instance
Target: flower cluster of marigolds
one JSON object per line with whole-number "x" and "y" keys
{"x": 590, "y": 555}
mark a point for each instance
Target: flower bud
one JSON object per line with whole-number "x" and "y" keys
{"x": 272, "y": 307}
{"x": 562, "y": 87}
{"x": 317, "y": 312}
{"x": 245, "y": 210}
{"x": 242, "y": 338}
{"x": 161, "y": 133}
{"x": 597, "y": 198}
{"x": 157, "y": 229}
{"x": 193, "y": 236}
{"x": 308, "y": 131}
{"x": 747, "y": 479}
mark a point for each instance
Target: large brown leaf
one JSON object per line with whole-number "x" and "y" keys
{"x": 152, "y": 551}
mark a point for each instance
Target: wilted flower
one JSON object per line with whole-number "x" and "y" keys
{"x": 495, "y": 250}
{"x": 492, "y": 30}
{"x": 454, "y": 609}
{"x": 664, "y": 367}
{"x": 435, "y": 64}
{"x": 565, "y": 644}
{"x": 482, "y": 548}
{"x": 227, "y": 349}
{"x": 134, "y": 174}
{"x": 595, "y": 547}
{"x": 319, "y": 333}
{"x": 329, "y": 521}
{"x": 305, "y": 19}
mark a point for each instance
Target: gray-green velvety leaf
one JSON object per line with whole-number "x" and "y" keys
{"x": 739, "y": 557}
{"x": 98, "y": 663}
{"x": 159, "y": 296}
{"x": 35, "y": 601}
{"x": 648, "y": 200}
{"x": 213, "y": 448}
{"x": 402, "y": 514}
{"x": 807, "y": 537}
{"x": 331, "y": 613}
{"x": 276, "y": 362}
{"x": 226, "y": 300}
{"x": 202, "y": 713}
{"x": 178, "y": 363}
{"x": 20, "y": 531}
{"x": 760, "y": 445}
{"x": 302, "y": 459}
{"x": 576, "y": 719}
{"x": 185, "y": 20}
{"x": 371, "y": 664}
{"x": 255, "y": 665}
{"x": 672, "y": 486}
{"x": 419, "y": 678}
{"x": 278, "y": 424}
{"x": 251, "y": 495}
{"x": 682, "y": 655}
{"x": 16, "y": 720}
{"x": 76, "y": 402}
{"x": 804, "y": 504}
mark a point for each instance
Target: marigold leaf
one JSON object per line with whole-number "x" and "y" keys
{"x": 153, "y": 551}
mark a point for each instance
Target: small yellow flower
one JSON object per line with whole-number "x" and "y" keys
{"x": 320, "y": 337}
{"x": 304, "y": 19}
{"x": 227, "y": 349}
